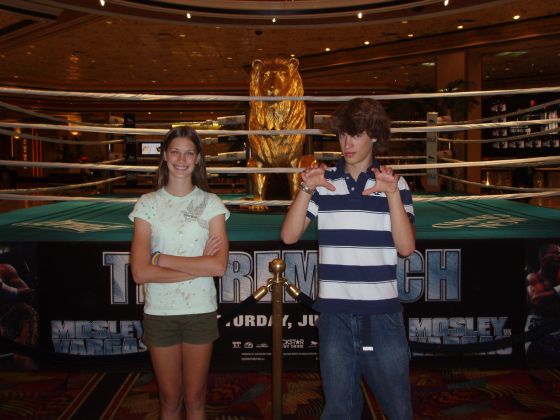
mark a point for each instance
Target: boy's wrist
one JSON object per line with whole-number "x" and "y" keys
{"x": 305, "y": 188}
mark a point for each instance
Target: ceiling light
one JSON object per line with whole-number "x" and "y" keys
{"x": 446, "y": 3}
{"x": 516, "y": 17}
{"x": 460, "y": 26}
{"x": 366, "y": 42}
{"x": 188, "y": 15}
{"x": 102, "y": 3}
{"x": 327, "y": 49}
{"x": 428, "y": 64}
{"x": 404, "y": 21}
{"x": 360, "y": 15}
{"x": 410, "y": 35}
{"x": 273, "y": 20}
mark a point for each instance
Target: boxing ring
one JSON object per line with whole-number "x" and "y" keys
{"x": 463, "y": 288}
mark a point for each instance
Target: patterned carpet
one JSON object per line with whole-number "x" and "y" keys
{"x": 457, "y": 394}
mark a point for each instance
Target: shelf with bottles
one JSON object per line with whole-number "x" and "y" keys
{"x": 522, "y": 140}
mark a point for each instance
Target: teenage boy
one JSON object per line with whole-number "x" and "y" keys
{"x": 365, "y": 220}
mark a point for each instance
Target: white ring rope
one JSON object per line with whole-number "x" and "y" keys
{"x": 312, "y": 131}
{"x": 399, "y": 139}
{"x": 500, "y": 139}
{"x": 61, "y": 141}
{"x": 496, "y": 187}
{"x": 64, "y": 187}
{"x": 281, "y": 202}
{"x": 215, "y": 98}
{"x": 436, "y": 128}
{"x": 48, "y": 117}
{"x": 486, "y": 197}
{"x": 515, "y": 113}
{"x": 336, "y": 155}
{"x": 544, "y": 160}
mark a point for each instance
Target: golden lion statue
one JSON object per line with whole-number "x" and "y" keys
{"x": 275, "y": 77}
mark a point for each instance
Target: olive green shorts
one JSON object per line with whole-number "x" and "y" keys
{"x": 168, "y": 330}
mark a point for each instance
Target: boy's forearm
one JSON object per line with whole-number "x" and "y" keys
{"x": 294, "y": 224}
{"x": 402, "y": 229}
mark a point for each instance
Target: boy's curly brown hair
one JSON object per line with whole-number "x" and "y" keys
{"x": 359, "y": 115}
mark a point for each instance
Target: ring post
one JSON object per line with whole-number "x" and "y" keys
{"x": 431, "y": 149}
{"x": 277, "y": 267}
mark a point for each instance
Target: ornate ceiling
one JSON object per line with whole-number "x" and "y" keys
{"x": 207, "y": 46}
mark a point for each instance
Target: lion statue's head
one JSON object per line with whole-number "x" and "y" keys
{"x": 276, "y": 77}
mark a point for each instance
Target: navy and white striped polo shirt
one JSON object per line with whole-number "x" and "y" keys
{"x": 357, "y": 255}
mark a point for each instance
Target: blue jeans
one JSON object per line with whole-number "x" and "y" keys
{"x": 372, "y": 346}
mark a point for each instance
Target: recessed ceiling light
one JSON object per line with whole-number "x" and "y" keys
{"x": 327, "y": 49}
{"x": 410, "y": 35}
{"x": 102, "y": 3}
{"x": 273, "y": 20}
{"x": 516, "y": 17}
{"x": 366, "y": 42}
{"x": 460, "y": 26}
{"x": 188, "y": 15}
{"x": 360, "y": 15}
{"x": 446, "y": 3}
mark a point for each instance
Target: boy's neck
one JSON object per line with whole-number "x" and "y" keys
{"x": 355, "y": 169}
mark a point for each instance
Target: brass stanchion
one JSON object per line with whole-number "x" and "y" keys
{"x": 277, "y": 267}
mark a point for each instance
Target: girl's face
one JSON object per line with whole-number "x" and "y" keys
{"x": 181, "y": 157}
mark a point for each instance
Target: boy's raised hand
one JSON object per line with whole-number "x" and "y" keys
{"x": 314, "y": 176}
{"x": 386, "y": 181}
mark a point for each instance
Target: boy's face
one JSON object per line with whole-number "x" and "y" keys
{"x": 357, "y": 149}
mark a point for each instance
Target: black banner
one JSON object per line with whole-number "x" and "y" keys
{"x": 455, "y": 292}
